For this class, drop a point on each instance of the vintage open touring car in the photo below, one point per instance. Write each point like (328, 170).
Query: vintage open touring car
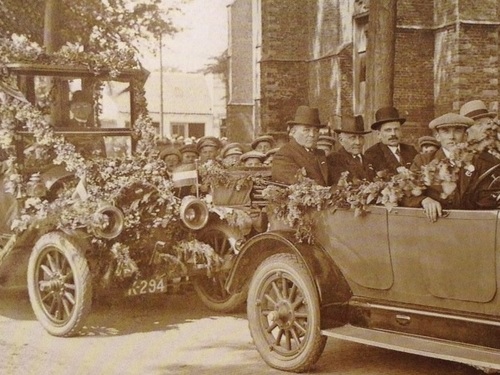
(88, 210)
(388, 278)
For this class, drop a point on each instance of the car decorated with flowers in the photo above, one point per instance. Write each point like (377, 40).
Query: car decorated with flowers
(347, 262)
(88, 207)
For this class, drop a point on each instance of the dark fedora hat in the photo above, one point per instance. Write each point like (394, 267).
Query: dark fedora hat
(352, 125)
(81, 96)
(307, 116)
(386, 114)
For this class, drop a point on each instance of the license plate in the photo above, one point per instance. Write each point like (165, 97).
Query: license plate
(147, 286)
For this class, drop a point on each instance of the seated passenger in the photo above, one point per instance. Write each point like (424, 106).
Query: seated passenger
(230, 154)
(301, 153)
(171, 156)
(486, 185)
(450, 130)
(428, 144)
(350, 157)
(252, 159)
(81, 109)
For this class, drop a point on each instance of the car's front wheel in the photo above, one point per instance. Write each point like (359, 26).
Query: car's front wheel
(284, 315)
(59, 284)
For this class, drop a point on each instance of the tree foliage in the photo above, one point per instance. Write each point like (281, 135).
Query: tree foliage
(95, 24)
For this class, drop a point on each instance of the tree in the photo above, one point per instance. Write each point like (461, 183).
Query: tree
(95, 24)
(220, 65)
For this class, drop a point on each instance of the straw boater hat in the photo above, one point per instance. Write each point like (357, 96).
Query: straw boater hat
(308, 116)
(262, 138)
(451, 120)
(476, 109)
(427, 140)
(386, 114)
(352, 125)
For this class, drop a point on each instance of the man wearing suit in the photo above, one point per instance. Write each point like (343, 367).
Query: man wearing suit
(387, 155)
(350, 157)
(81, 109)
(300, 154)
(450, 130)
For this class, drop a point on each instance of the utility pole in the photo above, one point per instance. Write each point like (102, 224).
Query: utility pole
(381, 51)
(161, 87)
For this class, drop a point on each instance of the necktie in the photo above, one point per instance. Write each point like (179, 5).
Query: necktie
(398, 154)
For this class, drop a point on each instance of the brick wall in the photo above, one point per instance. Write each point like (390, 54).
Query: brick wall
(440, 63)
(285, 50)
(414, 81)
(478, 59)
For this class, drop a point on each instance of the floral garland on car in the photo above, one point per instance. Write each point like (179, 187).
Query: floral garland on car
(293, 204)
(19, 49)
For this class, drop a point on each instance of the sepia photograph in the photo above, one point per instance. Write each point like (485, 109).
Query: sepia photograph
(249, 187)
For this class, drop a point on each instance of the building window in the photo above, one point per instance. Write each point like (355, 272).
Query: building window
(184, 129)
(178, 129)
(360, 43)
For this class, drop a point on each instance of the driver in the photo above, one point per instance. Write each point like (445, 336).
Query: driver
(81, 109)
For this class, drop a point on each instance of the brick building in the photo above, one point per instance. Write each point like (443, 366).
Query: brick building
(284, 53)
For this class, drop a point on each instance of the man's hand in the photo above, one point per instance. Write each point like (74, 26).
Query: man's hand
(432, 209)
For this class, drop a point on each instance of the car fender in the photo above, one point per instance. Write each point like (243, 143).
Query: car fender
(14, 256)
(333, 290)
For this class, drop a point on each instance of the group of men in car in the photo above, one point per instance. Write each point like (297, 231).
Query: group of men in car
(384, 158)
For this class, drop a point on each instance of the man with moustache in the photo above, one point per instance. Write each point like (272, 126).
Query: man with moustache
(300, 154)
(386, 156)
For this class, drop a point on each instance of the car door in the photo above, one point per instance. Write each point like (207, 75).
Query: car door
(451, 259)
(359, 246)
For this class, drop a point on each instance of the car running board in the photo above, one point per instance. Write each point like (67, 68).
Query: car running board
(479, 357)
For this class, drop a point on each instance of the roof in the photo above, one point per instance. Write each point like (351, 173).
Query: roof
(185, 93)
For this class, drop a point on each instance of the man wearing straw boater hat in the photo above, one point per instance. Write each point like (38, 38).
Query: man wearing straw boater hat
(350, 157)
(300, 155)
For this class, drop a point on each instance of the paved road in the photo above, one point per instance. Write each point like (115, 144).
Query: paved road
(173, 335)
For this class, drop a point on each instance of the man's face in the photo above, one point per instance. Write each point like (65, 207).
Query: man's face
(189, 157)
(450, 136)
(171, 161)
(428, 149)
(353, 143)
(390, 133)
(81, 110)
(253, 162)
(263, 147)
(208, 153)
(306, 136)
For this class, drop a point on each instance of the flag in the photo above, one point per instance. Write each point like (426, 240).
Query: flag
(81, 190)
(185, 175)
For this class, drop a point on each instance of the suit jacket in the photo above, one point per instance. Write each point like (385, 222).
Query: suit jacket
(291, 157)
(457, 200)
(379, 157)
(343, 161)
(483, 189)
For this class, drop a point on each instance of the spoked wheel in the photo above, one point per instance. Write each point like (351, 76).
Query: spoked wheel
(283, 314)
(211, 290)
(59, 284)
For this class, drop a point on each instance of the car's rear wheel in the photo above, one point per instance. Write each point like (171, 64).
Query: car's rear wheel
(211, 289)
(59, 284)
(284, 315)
